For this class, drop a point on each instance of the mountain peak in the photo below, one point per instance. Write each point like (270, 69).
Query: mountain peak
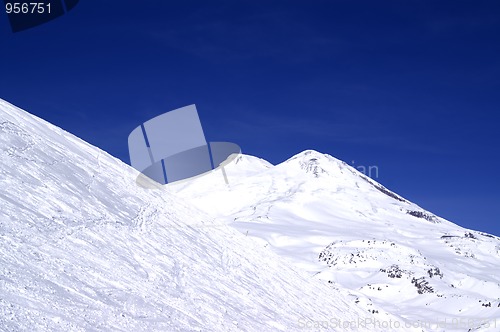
(308, 154)
(314, 162)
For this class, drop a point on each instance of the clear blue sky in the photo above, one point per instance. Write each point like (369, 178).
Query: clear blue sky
(412, 87)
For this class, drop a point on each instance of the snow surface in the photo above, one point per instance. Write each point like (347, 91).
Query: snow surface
(84, 248)
(325, 217)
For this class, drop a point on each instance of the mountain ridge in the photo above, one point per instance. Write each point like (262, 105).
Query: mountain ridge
(324, 216)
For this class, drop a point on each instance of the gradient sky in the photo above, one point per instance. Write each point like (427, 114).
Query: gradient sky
(412, 87)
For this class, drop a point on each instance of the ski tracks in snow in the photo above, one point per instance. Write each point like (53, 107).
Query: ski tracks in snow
(145, 217)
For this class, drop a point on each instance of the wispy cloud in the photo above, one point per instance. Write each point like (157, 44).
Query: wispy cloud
(218, 36)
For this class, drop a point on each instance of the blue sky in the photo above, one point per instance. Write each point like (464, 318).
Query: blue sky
(412, 87)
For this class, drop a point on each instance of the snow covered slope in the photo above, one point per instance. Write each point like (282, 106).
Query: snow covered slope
(340, 226)
(82, 247)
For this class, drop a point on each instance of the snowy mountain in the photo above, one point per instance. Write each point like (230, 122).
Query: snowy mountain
(84, 248)
(309, 244)
(323, 216)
